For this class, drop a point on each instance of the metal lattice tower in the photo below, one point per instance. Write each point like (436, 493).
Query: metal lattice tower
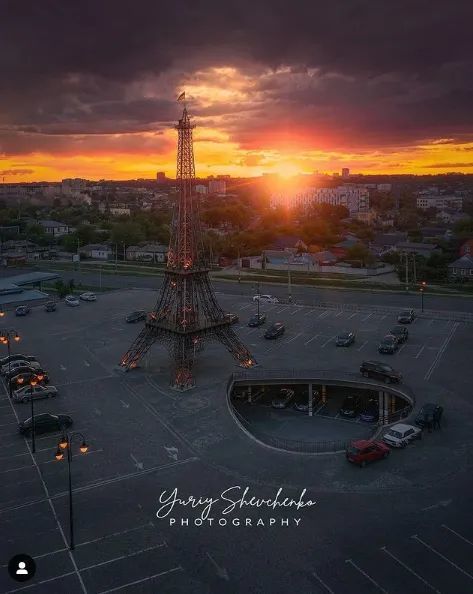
(187, 313)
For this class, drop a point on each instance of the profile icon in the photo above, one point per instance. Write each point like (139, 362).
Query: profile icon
(21, 567)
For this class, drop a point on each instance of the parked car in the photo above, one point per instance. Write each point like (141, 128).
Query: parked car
(400, 332)
(22, 310)
(266, 299)
(370, 412)
(50, 306)
(24, 394)
(13, 365)
(45, 423)
(88, 296)
(303, 405)
(406, 316)
(381, 371)
(427, 414)
(363, 451)
(351, 406)
(257, 320)
(26, 367)
(287, 394)
(136, 316)
(17, 357)
(72, 301)
(345, 339)
(389, 345)
(275, 330)
(23, 377)
(232, 318)
(400, 435)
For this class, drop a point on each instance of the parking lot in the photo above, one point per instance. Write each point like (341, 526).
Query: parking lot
(144, 438)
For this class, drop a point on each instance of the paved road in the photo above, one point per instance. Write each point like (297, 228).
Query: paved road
(306, 294)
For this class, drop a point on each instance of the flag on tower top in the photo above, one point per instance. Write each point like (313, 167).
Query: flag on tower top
(182, 96)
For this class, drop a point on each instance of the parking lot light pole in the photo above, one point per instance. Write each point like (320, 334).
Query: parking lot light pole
(66, 444)
(33, 383)
(6, 337)
(422, 289)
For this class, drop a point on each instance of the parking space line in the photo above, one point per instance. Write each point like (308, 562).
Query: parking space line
(324, 314)
(441, 351)
(420, 351)
(178, 568)
(353, 315)
(86, 363)
(322, 583)
(57, 577)
(460, 569)
(340, 313)
(113, 534)
(133, 554)
(294, 338)
(313, 338)
(327, 341)
(282, 309)
(309, 312)
(406, 567)
(17, 468)
(295, 311)
(368, 577)
(401, 347)
(456, 534)
(366, 317)
(363, 345)
(246, 306)
(384, 317)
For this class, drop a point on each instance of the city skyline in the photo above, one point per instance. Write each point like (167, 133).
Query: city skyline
(272, 90)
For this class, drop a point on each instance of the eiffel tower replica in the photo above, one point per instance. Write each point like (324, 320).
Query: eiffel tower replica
(187, 313)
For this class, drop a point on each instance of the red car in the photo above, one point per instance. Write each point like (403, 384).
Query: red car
(362, 451)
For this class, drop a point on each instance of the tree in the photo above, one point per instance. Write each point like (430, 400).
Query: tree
(127, 232)
(360, 253)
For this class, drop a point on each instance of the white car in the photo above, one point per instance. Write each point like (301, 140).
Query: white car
(88, 296)
(266, 298)
(400, 435)
(19, 363)
(72, 300)
(24, 394)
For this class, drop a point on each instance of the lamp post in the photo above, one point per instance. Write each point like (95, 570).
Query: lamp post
(422, 287)
(33, 382)
(6, 336)
(289, 286)
(65, 445)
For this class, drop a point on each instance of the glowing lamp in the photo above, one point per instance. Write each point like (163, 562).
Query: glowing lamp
(84, 447)
(17, 337)
(2, 313)
(63, 443)
(59, 455)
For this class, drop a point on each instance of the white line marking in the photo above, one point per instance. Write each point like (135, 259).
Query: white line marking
(246, 306)
(322, 583)
(313, 338)
(456, 534)
(352, 315)
(340, 313)
(283, 309)
(125, 404)
(221, 571)
(401, 347)
(424, 581)
(324, 314)
(295, 311)
(57, 577)
(415, 537)
(442, 349)
(327, 341)
(178, 568)
(366, 317)
(308, 313)
(384, 317)
(294, 338)
(368, 577)
(63, 368)
(158, 546)
(420, 351)
(363, 345)
(86, 363)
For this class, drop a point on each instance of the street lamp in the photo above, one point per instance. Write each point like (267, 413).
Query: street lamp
(33, 383)
(65, 445)
(6, 336)
(422, 288)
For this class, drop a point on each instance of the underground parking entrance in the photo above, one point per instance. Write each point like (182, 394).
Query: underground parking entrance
(314, 411)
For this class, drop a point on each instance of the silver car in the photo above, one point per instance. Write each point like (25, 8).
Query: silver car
(24, 394)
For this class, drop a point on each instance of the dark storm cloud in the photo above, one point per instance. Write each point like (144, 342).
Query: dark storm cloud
(386, 72)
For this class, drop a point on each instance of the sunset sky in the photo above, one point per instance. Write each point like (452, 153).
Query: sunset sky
(88, 89)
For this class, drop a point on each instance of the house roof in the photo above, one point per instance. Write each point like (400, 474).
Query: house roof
(412, 245)
(465, 261)
(389, 238)
(149, 247)
(324, 256)
(347, 243)
(51, 223)
(95, 246)
(286, 241)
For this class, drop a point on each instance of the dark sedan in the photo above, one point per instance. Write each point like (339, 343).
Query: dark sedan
(370, 412)
(45, 423)
(400, 332)
(50, 306)
(345, 339)
(389, 345)
(350, 407)
(232, 318)
(275, 331)
(136, 316)
(406, 316)
(22, 310)
(26, 368)
(257, 320)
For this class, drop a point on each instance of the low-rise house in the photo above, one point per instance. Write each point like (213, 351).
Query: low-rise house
(54, 228)
(23, 251)
(150, 252)
(422, 249)
(96, 251)
(324, 258)
(385, 242)
(466, 247)
(461, 268)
